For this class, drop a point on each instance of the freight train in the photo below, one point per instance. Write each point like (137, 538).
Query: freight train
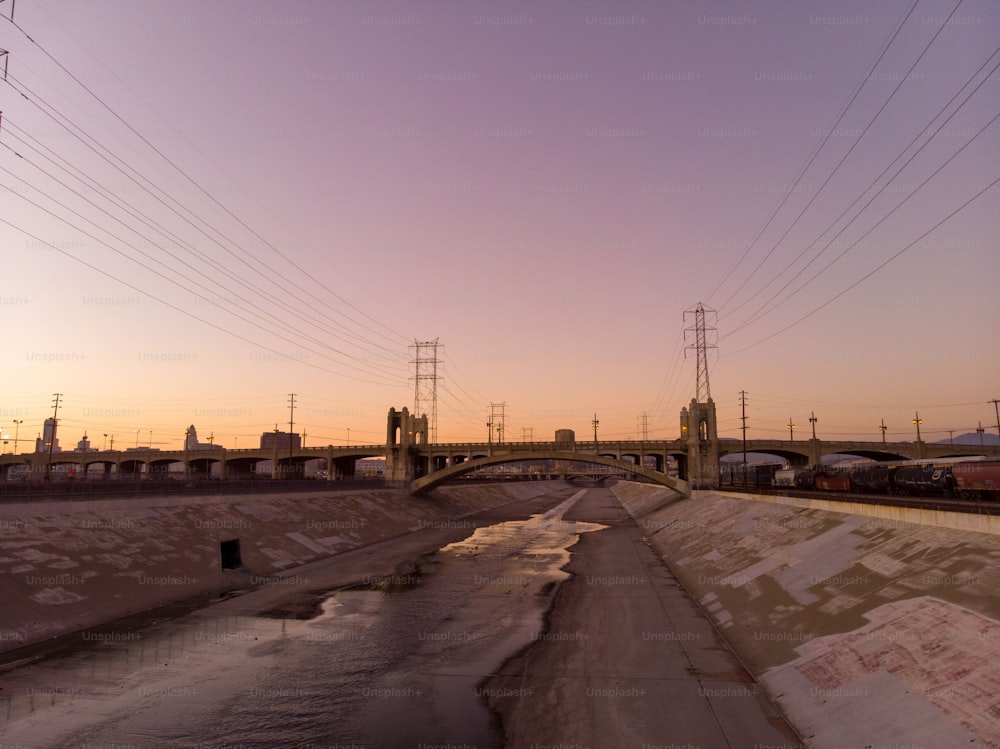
(972, 478)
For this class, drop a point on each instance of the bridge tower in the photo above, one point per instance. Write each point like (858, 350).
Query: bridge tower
(699, 431)
(698, 422)
(404, 433)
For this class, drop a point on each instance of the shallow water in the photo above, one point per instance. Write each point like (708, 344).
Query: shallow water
(395, 662)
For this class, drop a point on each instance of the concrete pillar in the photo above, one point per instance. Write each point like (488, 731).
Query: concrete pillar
(815, 452)
(699, 431)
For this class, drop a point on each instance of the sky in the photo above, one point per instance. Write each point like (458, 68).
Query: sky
(207, 207)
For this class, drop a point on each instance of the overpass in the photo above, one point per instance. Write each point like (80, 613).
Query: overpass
(410, 457)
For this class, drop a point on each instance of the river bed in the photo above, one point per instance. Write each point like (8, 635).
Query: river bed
(396, 660)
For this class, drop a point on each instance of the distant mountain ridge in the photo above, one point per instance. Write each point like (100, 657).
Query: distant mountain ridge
(971, 438)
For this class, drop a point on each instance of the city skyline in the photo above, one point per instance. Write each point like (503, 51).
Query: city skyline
(303, 195)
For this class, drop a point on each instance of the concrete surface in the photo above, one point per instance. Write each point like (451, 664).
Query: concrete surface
(65, 566)
(627, 659)
(867, 631)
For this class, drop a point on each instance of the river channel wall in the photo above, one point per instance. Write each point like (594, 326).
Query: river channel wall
(870, 626)
(66, 566)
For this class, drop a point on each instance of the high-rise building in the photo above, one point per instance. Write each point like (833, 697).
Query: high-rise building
(281, 440)
(48, 436)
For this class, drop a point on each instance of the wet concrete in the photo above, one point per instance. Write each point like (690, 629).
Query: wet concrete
(378, 647)
(627, 658)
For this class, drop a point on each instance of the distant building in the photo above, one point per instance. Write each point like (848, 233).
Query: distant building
(191, 440)
(48, 436)
(281, 440)
(83, 444)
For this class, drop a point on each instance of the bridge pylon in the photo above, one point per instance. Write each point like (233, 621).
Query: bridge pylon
(699, 429)
(404, 433)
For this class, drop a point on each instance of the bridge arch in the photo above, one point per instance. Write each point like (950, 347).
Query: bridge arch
(426, 483)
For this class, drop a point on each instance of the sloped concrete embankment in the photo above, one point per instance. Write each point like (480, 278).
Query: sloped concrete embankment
(867, 631)
(65, 566)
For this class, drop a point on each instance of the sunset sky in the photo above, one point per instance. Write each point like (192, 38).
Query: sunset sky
(205, 207)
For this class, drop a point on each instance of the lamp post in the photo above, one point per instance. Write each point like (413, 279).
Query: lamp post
(489, 438)
(883, 427)
(348, 436)
(813, 420)
(596, 424)
(105, 445)
(980, 431)
(791, 430)
(17, 425)
(137, 438)
(918, 421)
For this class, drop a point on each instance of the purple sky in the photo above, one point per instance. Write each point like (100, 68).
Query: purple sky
(544, 189)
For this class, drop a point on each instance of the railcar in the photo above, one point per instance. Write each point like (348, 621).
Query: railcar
(979, 479)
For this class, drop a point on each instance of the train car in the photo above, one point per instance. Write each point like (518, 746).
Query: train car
(786, 476)
(977, 478)
(871, 478)
(805, 479)
(833, 483)
(923, 478)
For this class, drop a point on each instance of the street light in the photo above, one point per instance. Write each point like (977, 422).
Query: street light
(489, 427)
(791, 428)
(137, 438)
(813, 420)
(596, 423)
(105, 445)
(883, 428)
(17, 425)
(918, 421)
(980, 431)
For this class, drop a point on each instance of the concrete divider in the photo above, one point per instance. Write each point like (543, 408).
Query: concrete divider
(65, 566)
(868, 627)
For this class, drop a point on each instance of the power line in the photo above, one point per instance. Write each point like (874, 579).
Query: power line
(870, 273)
(842, 160)
(829, 133)
(199, 187)
(761, 311)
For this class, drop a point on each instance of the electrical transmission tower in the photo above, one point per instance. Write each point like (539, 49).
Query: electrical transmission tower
(425, 380)
(642, 426)
(701, 332)
(498, 413)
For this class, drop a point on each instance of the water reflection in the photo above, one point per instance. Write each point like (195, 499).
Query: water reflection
(396, 660)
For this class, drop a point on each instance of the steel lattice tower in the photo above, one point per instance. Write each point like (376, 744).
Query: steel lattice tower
(425, 379)
(701, 331)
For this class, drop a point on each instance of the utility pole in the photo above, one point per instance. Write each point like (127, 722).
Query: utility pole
(743, 418)
(996, 401)
(291, 429)
(883, 428)
(425, 370)
(951, 437)
(52, 436)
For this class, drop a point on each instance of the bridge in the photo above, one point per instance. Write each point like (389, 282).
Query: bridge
(411, 460)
